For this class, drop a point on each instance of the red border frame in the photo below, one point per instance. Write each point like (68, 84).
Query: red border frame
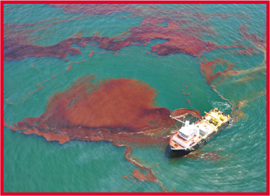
(136, 2)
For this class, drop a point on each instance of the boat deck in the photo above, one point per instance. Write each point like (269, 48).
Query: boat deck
(211, 123)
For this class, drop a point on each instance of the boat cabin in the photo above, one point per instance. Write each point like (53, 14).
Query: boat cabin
(187, 132)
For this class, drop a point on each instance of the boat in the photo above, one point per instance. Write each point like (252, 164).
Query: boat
(190, 137)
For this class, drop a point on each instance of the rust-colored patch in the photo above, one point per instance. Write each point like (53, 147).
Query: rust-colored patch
(189, 102)
(69, 67)
(248, 52)
(207, 69)
(139, 175)
(97, 138)
(91, 53)
(106, 110)
(178, 37)
(6, 125)
(62, 138)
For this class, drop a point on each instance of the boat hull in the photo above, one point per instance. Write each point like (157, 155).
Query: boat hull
(182, 152)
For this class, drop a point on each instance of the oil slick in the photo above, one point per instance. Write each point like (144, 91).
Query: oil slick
(178, 37)
(121, 110)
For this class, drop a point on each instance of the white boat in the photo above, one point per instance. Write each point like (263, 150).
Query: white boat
(190, 137)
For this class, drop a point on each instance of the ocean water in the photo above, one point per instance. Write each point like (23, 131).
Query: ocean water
(33, 164)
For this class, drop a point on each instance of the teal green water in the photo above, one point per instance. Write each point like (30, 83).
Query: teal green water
(33, 164)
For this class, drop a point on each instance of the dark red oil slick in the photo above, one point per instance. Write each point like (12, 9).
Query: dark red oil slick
(117, 110)
(207, 69)
(252, 37)
(109, 110)
(176, 42)
(177, 39)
